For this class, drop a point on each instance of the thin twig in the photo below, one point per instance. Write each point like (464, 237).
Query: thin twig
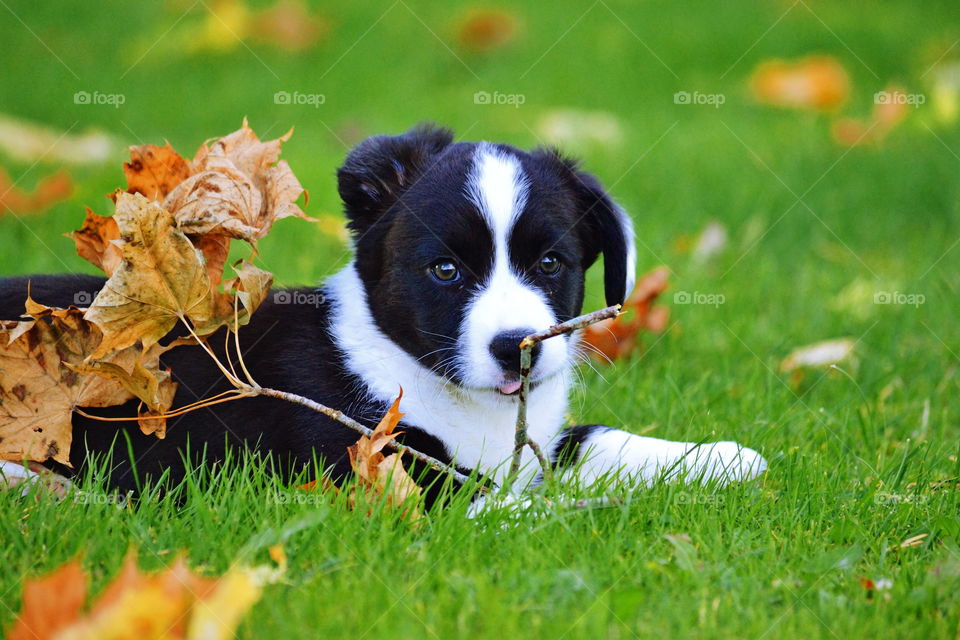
(521, 439)
(571, 325)
(347, 421)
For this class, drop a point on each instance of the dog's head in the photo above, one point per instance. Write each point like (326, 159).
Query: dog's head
(465, 248)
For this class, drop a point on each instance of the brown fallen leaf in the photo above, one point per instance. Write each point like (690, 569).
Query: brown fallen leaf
(161, 280)
(486, 30)
(39, 390)
(51, 603)
(615, 338)
(155, 171)
(385, 475)
(249, 288)
(46, 376)
(239, 189)
(95, 242)
(139, 374)
(174, 604)
(288, 25)
(815, 82)
(50, 190)
(215, 249)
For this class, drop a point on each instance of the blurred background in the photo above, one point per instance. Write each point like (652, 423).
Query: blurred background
(792, 164)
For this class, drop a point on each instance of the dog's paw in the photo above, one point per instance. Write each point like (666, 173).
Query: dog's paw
(726, 462)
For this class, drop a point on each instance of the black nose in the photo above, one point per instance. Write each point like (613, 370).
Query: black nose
(505, 348)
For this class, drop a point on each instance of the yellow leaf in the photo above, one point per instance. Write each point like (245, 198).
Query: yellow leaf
(161, 280)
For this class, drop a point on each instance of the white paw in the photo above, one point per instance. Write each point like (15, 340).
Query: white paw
(725, 462)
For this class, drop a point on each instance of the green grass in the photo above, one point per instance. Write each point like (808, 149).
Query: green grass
(851, 453)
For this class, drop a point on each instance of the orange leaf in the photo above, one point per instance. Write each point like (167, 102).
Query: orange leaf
(615, 338)
(49, 191)
(816, 82)
(95, 242)
(51, 603)
(155, 171)
(485, 30)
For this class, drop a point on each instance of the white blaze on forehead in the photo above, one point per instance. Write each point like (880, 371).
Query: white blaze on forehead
(498, 188)
(504, 301)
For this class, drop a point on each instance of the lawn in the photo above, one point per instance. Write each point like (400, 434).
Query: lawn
(863, 457)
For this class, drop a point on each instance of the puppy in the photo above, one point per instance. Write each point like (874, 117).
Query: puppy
(460, 250)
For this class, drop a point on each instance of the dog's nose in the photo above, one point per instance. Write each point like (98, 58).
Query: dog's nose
(505, 348)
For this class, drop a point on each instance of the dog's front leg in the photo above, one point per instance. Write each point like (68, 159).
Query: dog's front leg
(592, 453)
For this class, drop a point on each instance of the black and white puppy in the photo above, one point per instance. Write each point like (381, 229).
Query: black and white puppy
(460, 250)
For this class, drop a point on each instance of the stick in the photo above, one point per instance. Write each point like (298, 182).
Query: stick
(521, 438)
(347, 421)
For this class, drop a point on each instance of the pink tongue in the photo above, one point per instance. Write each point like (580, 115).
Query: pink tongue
(509, 388)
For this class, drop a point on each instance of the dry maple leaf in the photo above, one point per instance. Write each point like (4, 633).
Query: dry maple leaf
(155, 171)
(95, 242)
(239, 189)
(44, 377)
(39, 390)
(161, 280)
(175, 604)
(615, 338)
(384, 475)
(815, 82)
(215, 249)
(250, 289)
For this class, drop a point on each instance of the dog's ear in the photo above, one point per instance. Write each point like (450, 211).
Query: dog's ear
(604, 227)
(379, 169)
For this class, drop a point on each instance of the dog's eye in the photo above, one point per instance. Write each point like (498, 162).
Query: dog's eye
(549, 264)
(445, 271)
